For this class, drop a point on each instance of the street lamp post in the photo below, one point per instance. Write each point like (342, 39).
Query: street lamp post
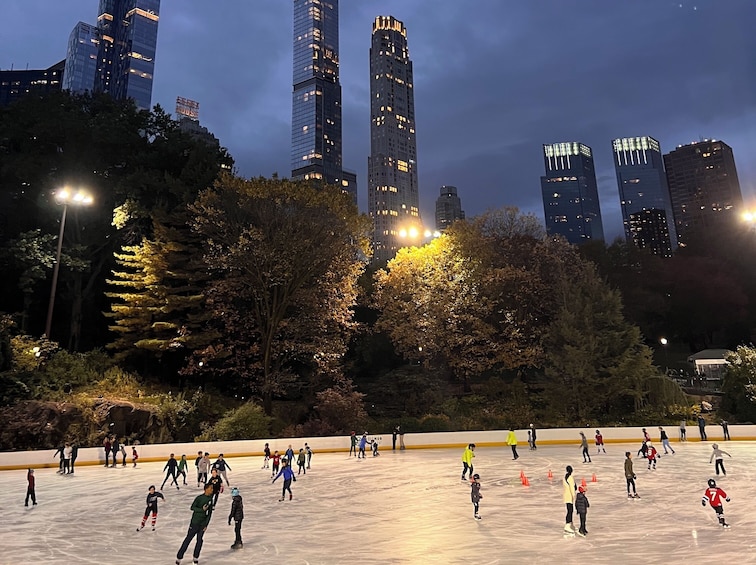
(64, 197)
(664, 343)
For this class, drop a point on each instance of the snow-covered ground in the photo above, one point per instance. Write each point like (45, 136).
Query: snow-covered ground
(401, 507)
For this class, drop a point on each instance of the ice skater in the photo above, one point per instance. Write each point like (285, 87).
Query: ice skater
(171, 467)
(568, 496)
(308, 451)
(717, 457)
(702, 427)
(665, 441)
(475, 495)
(353, 444)
(467, 457)
(106, 447)
(116, 449)
(182, 466)
(202, 511)
(581, 507)
(533, 431)
(363, 443)
(196, 466)
(374, 447)
(30, 488)
(237, 513)
(643, 451)
(266, 459)
(276, 462)
(682, 431)
(60, 451)
(301, 461)
(599, 442)
(530, 440)
(217, 483)
(512, 442)
(630, 475)
(203, 469)
(67, 451)
(288, 476)
(152, 506)
(714, 496)
(221, 464)
(134, 455)
(584, 446)
(651, 455)
(123, 453)
(725, 430)
(289, 455)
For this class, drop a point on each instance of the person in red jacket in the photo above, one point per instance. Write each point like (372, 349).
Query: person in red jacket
(651, 455)
(714, 496)
(30, 489)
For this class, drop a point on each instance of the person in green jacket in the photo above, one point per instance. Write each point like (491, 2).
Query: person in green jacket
(202, 511)
(182, 465)
(512, 442)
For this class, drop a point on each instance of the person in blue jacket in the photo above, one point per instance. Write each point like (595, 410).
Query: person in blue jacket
(288, 475)
(363, 443)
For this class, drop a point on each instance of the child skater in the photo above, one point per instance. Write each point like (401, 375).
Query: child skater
(475, 495)
(530, 440)
(288, 476)
(237, 513)
(714, 496)
(581, 507)
(301, 460)
(276, 461)
(584, 446)
(267, 457)
(719, 463)
(152, 506)
(217, 483)
(651, 455)
(374, 447)
(599, 442)
(30, 488)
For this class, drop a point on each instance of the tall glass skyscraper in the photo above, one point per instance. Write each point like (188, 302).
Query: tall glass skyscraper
(393, 198)
(448, 208)
(703, 185)
(81, 59)
(644, 195)
(316, 103)
(570, 193)
(128, 41)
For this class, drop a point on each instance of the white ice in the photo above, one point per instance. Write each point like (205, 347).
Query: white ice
(401, 507)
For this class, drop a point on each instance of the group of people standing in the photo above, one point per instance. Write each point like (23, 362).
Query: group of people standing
(113, 447)
(68, 453)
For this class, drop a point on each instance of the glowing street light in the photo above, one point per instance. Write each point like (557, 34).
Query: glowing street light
(664, 343)
(64, 197)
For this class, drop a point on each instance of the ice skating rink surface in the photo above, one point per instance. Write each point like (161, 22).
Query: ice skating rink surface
(401, 507)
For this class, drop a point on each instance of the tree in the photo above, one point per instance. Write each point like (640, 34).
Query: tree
(739, 386)
(286, 257)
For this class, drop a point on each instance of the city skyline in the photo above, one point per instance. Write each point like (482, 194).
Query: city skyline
(481, 118)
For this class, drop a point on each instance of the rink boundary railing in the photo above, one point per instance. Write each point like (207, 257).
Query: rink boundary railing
(334, 444)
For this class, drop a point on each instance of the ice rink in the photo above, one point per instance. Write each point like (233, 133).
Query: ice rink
(401, 507)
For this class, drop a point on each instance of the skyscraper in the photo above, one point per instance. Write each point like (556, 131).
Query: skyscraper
(316, 104)
(127, 32)
(570, 193)
(448, 208)
(393, 199)
(16, 84)
(644, 195)
(81, 59)
(703, 185)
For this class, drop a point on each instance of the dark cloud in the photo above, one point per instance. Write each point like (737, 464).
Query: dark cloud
(494, 79)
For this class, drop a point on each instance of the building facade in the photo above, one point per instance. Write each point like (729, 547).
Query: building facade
(703, 186)
(644, 196)
(570, 193)
(448, 208)
(316, 140)
(81, 59)
(127, 31)
(17, 84)
(393, 197)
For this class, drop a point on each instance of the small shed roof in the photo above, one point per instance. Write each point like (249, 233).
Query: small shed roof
(710, 354)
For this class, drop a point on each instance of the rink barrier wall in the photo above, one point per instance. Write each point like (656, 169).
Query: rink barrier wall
(428, 440)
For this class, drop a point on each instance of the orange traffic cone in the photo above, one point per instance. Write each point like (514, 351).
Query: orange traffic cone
(583, 483)
(550, 475)
(594, 479)
(525, 481)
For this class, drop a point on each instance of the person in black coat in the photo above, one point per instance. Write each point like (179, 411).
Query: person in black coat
(581, 507)
(237, 513)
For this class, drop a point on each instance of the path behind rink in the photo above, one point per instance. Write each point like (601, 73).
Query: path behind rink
(401, 507)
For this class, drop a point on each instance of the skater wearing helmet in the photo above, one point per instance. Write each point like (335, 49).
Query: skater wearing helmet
(651, 455)
(581, 507)
(714, 496)
(475, 495)
(237, 513)
(718, 455)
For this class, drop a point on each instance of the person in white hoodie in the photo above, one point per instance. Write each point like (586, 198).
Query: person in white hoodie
(718, 457)
(568, 496)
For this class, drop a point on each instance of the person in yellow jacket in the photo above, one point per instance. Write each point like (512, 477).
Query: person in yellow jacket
(568, 496)
(467, 457)
(512, 442)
